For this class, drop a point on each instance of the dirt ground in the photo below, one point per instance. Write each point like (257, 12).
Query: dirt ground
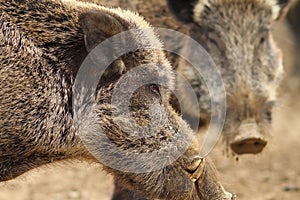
(272, 175)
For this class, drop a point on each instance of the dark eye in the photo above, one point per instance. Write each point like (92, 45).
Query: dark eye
(216, 44)
(268, 116)
(262, 40)
(154, 88)
(263, 37)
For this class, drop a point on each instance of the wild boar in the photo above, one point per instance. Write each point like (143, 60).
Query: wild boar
(43, 46)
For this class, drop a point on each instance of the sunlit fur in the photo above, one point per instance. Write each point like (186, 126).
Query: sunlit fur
(42, 47)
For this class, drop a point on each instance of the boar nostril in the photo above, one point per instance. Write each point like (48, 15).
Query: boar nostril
(257, 143)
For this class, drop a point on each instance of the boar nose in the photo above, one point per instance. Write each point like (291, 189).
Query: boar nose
(192, 163)
(249, 140)
(248, 146)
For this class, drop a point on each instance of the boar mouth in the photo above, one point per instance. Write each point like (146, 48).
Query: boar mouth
(196, 172)
(196, 169)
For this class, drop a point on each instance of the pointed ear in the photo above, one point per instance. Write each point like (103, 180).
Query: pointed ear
(97, 26)
(281, 9)
(183, 9)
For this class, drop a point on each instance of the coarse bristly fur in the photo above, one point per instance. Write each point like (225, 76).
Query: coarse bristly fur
(43, 43)
(237, 35)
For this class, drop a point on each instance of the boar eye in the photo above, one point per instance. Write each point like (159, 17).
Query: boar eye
(154, 88)
(263, 37)
(262, 40)
(216, 40)
(268, 116)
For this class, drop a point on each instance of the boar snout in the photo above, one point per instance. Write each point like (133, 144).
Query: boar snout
(249, 140)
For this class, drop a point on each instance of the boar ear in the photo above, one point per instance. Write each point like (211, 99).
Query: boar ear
(183, 9)
(281, 8)
(97, 26)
